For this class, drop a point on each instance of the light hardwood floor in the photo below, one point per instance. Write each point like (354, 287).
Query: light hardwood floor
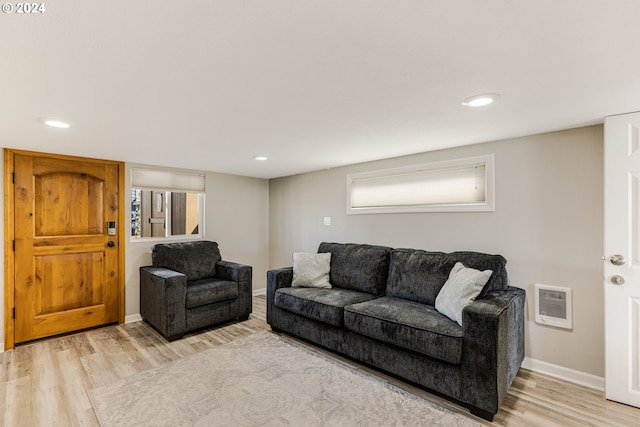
(45, 383)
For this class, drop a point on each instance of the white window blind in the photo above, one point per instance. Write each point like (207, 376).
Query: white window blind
(456, 185)
(166, 180)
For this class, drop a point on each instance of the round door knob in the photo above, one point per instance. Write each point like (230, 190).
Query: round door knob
(111, 243)
(617, 280)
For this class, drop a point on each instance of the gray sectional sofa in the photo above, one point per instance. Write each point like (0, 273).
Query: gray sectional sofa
(380, 311)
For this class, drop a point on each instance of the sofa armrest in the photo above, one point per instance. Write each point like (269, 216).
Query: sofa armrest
(243, 275)
(493, 348)
(276, 279)
(163, 294)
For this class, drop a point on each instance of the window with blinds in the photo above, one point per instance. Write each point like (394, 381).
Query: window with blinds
(462, 185)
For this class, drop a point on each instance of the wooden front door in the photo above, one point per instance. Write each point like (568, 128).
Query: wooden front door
(68, 262)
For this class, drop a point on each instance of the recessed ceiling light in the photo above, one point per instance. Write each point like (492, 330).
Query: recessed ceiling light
(481, 100)
(261, 158)
(56, 123)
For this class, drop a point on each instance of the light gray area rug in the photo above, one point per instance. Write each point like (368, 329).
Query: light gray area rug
(263, 380)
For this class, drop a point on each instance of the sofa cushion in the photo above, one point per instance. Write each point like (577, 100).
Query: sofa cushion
(361, 268)
(325, 305)
(480, 261)
(311, 270)
(408, 324)
(207, 291)
(418, 275)
(461, 288)
(196, 260)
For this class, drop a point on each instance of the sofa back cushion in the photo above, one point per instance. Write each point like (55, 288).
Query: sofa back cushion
(481, 261)
(358, 267)
(418, 275)
(196, 260)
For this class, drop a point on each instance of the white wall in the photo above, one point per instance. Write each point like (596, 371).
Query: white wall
(548, 223)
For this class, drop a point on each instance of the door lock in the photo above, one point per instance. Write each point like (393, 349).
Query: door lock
(111, 243)
(617, 280)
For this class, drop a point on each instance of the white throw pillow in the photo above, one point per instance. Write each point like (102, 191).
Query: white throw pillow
(461, 288)
(311, 270)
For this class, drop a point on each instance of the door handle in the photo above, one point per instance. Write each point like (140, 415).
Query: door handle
(617, 280)
(111, 243)
(616, 259)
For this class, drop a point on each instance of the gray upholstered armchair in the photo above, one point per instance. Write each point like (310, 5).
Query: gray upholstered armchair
(189, 287)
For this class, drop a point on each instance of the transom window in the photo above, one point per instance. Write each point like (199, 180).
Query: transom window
(449, 186)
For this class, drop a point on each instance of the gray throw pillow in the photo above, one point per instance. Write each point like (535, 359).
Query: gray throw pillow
(311, 270)
(461, 288)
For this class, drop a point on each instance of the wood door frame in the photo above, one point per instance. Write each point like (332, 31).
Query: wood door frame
(9, 235)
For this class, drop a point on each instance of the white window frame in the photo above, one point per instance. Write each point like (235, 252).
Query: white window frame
(488, 205)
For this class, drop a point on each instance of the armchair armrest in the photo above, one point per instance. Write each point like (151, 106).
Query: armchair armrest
(493, 348)
(241, 274)
(163, 294)
(276, 279)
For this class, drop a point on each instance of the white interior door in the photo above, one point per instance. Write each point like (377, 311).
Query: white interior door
(622, 258)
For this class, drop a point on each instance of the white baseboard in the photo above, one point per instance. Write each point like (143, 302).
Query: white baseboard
(262, 291)
(565, 374)
(132, 318)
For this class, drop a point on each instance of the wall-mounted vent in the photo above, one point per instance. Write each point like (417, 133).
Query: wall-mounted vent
(554, 306)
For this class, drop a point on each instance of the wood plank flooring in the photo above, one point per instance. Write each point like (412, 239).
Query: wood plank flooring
(45, 383)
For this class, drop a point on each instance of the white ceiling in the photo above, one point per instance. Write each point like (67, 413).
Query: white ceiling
(312, 84)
